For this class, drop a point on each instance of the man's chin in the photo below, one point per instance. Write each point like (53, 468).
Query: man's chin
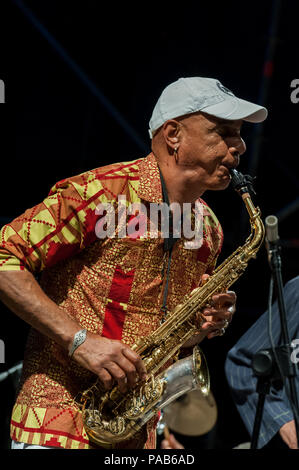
(220, 185)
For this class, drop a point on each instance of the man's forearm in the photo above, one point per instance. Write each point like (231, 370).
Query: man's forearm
(22, 294)
(109, 359)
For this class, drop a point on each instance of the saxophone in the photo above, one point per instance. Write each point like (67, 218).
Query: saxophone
(114, 417)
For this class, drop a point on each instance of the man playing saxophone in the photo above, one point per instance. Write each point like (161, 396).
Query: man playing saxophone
(97, 297)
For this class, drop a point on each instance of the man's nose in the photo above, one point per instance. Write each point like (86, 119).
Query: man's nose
(237, 146)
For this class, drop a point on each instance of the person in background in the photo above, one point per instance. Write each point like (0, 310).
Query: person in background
(278, 426)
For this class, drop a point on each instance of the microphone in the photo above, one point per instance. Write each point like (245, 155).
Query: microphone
(272, 237)
(271, 223)
(11, 371)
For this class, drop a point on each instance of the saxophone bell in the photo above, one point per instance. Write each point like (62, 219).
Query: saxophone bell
(185, 375)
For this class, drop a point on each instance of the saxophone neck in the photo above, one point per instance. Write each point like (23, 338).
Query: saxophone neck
(243, 184)
(257, 226)
(251, 209)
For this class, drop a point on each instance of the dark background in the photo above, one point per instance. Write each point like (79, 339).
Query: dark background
(82, 97)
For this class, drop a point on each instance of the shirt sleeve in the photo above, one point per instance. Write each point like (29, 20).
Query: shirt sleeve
(242, 381)
(60, 226)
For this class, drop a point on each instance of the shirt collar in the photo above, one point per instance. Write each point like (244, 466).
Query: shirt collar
(150, 188)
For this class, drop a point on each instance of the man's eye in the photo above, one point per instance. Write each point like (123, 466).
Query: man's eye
(228, 133)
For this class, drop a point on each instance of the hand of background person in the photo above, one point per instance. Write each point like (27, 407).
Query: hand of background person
(171, 443)
(288, 434)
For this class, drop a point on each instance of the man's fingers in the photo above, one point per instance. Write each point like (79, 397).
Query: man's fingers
(204, 278)
(105, 378)
(213, 334)
(207, 325)
(136, 360)
(130, 370)
(212, 314)
(215, 325)
(222, 306)
(120, 376)
(224, 299)
(123, 372)
(112, 361)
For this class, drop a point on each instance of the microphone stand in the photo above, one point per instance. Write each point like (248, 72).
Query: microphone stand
(275, 364)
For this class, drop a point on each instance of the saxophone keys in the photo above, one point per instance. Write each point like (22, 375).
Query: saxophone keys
(153, 381)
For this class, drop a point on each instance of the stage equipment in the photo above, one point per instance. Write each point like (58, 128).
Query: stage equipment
(273, 366)
(192, 414)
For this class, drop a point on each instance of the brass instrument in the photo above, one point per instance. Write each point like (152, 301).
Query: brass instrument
(113, 417)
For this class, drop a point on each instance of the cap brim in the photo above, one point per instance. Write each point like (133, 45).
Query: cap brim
(236, 109)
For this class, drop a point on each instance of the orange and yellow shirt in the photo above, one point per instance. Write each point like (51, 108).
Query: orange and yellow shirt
(113, 287)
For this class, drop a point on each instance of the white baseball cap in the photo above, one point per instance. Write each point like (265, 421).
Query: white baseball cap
(192, 94)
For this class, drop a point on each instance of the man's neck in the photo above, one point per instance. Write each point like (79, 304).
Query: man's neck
(178, 186)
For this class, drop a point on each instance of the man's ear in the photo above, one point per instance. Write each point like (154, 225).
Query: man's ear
(172, 133)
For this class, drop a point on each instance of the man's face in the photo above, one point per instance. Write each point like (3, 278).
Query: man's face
(208, 148)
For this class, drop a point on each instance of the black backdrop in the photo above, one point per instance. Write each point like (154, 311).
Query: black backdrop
(81, 80)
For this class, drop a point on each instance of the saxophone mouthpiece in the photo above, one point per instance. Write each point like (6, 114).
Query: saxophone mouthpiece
(242, 183)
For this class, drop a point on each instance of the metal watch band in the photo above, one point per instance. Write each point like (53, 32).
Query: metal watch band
(79, 338)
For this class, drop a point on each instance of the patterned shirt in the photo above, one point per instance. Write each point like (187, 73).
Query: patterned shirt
(243, 383)
(111, 286)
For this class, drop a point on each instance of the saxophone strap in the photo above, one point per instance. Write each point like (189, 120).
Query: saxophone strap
(170, 241)
(165, 294)
(168, 246)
